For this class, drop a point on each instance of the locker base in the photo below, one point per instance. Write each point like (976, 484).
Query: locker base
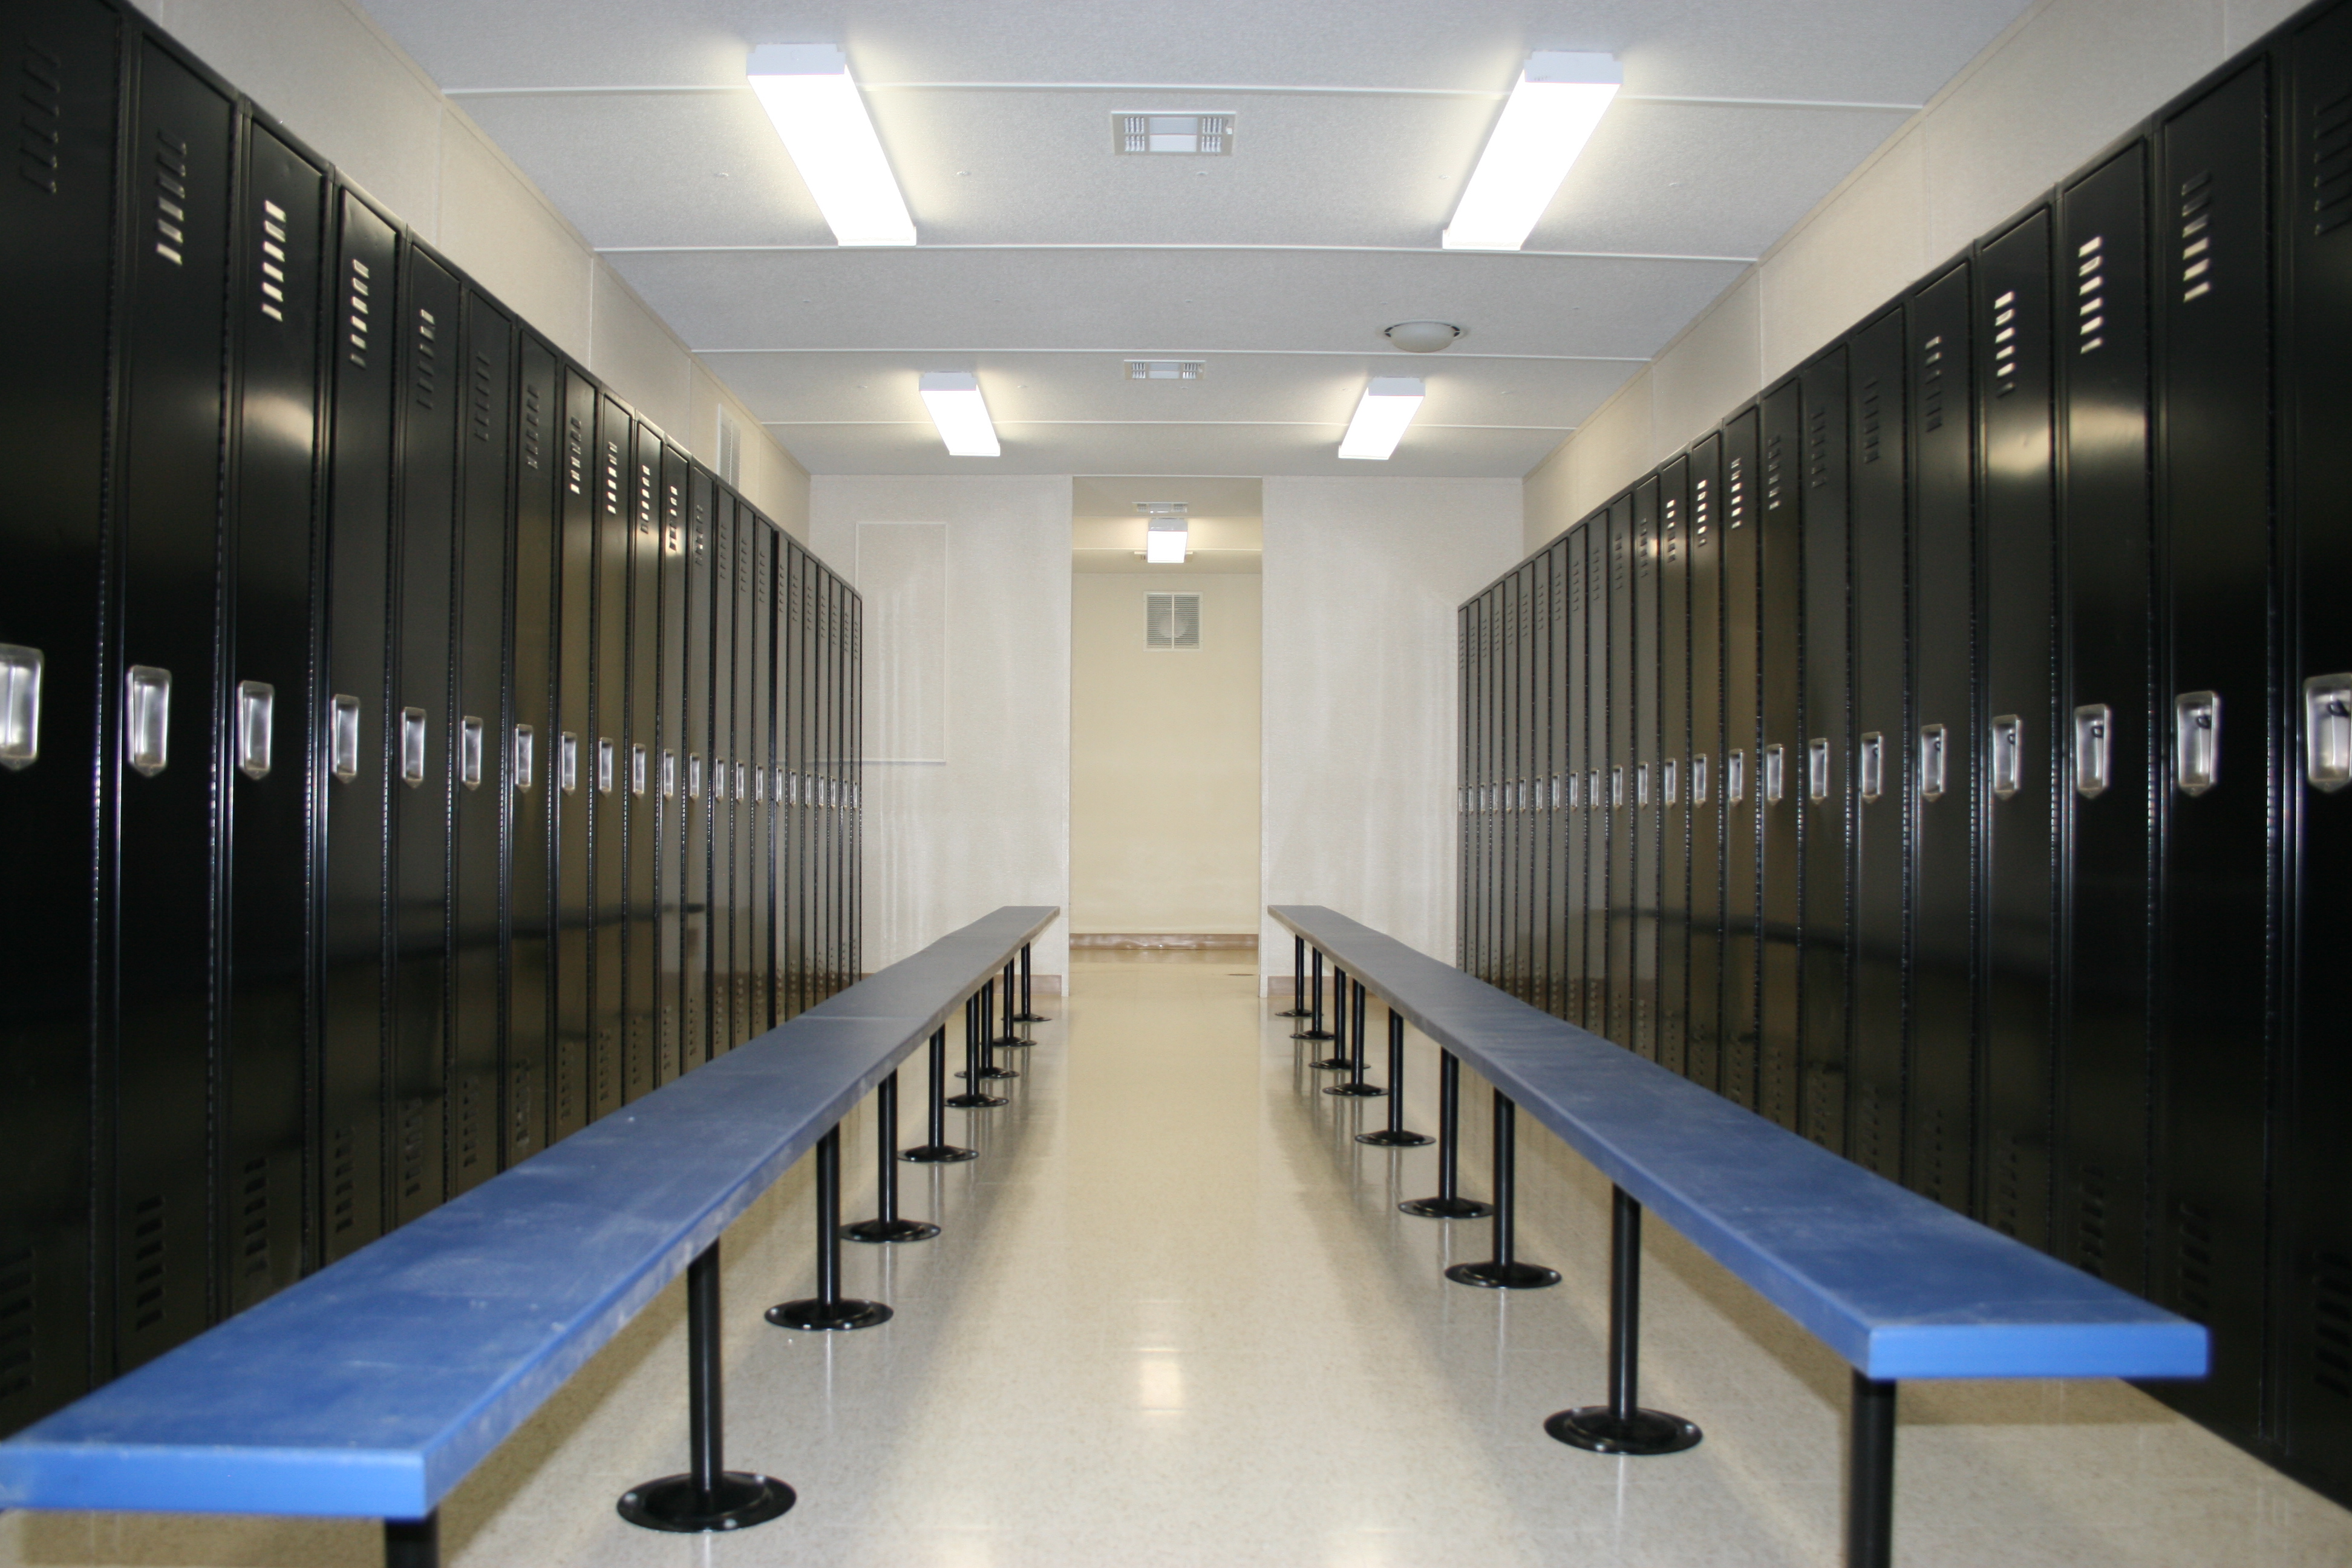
(1388, 1138)
(974, 1101)
(937, 1154)
(1597, 1429)
(1445, 1208)
(1357, 1090)
(817, 1315)
(1500, 1276)
(882, 1230)
(676, 1504)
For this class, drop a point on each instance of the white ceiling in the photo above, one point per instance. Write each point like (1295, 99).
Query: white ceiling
(1044, 259)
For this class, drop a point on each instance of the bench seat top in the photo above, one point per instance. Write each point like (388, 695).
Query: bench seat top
(371, 1388)
(1898, 1285)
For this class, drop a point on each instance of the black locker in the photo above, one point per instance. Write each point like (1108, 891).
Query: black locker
(2016, 655)
(745, 752)
(355, 721)
(1527, 803)
(572, 767)
(1741, 788)
(722, 994)
(168, 442)
(264, 1224)
(1597, 824)
(669, 776)
(1568, 896)
(763, 836)
(1642, 812)
(1517, 646)
(2212, 378)
(478, 840)
(531, 758)
(1780, 783)
(1940, 1119)
(1618, 713)
(1671, 785)
(1477, 683)
(433, 390)
(694, 784)
(1822, 777)
(604, 762)
(1551, 916)
(2107, 794)
(853, 891)
(792, 663)
(2313, 1419)
(1882, 811)
(828, 761)
(640, 760)
(57, 221)
(1703, 786)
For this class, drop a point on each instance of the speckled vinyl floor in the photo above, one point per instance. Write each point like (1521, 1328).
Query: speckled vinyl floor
(1175, 1318)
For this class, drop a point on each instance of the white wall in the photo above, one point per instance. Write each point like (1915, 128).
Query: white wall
(2068, 78)
(1361, 711)
(337, 81)
(987, 824)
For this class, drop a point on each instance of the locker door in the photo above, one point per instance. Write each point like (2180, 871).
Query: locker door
(793, 758)
(2100, 1223)
(1575, 821)
(1704, 786)
(605, 760)
(479, 837)
(168, 477)
(1670, 786)
(1781, 776)
(573, 772)
(1465, 869)
(763, 604)
(854, 919)
(722, 760)
(355, 729)
(1824, 803)
(1475, 722)
(694, 784)
(642, 760)
(669, 774)
(1517, 611)
(2017, 583)
(265, 1027)
(1642, 771)
(530, 973)
(53, 334)
(1742, 789)
(2211, 381)
(2314, 1320)
(426, 734)
(1490, 746)
(1617, 781)
(1884, 809)
(1596, 774)
(1551, 920)
(745, 752)
(1939, 1124)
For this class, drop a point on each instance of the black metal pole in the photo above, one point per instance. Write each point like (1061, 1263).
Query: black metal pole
(887, 1226)
(936, 1149)
(1356, 1087)
(988, 1040)
(828, 1308)
(1621, 1425)
(973, 1097)
(1870, 1475)
(1011, 1036)
(1448, 1203)
(710, 1496)
(1298, 1008)
(1029, 1014)
(1337, 1060)
(1503, 1271)
(1395, 1136)
(1313, 1030)
(412, 1543)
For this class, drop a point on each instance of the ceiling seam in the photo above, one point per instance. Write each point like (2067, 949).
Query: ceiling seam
(620, 89)
(1200, 353)
(1156, 424)
(1164, 244)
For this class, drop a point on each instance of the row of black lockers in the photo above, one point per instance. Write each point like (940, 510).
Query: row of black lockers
(410, 756)
(1946, 756)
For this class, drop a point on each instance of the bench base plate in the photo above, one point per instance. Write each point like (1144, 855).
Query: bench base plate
(1384, 1138)
(1357, 1090)
(880, 1231)
(937, 1154)
(816, 1315)
(1499, 1276)
(1596, 1429)
(1445, 1208)
(676, 1504)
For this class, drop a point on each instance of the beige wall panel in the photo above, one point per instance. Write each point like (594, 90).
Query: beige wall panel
(1163, 758)
(637, 357)
(1864, 249)
(494, 225)
(1716, 366)
(1613, 448)
(1544, 500)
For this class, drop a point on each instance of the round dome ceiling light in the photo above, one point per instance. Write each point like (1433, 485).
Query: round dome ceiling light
(1424, 337)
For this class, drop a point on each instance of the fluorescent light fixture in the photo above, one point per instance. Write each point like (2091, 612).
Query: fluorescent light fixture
(1553, 111)
(807, 91)
(953, 398)
(1165, 540)
(1387, 407)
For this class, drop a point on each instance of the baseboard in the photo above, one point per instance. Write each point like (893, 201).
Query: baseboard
(1149, 942)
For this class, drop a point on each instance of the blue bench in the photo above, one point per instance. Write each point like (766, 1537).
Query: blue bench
(1898, 1286)
(371, 1388)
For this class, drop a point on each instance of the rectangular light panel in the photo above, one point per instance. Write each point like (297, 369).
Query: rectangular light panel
(1165, 541)
(953, 398)
(1384, 411)
(1553, 111)
(808, 92)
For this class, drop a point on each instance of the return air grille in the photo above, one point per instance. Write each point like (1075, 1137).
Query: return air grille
(1181, 133)
(1171, 620)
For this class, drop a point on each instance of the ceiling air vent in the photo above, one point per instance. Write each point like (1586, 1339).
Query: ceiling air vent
(1193, 134)
(1163, 370)
(1171, 620)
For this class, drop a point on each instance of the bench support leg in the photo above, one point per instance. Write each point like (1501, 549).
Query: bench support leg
(1011, 1036)
(1503, 1271)
(1028, 1014)
(1621, 1425)
(1395, 1136)
(888, 1226)
(412, 1543)
(1313, 1029)
(1448, 1203)
(1870, 1475)
(1337, 1060)
(1356, 1087)
(710, 1496)
(936, 1149)
(1298, 1008)
(828, 1308)
(986, 997)
(973, 1098)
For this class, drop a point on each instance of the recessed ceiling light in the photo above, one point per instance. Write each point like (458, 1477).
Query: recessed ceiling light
(1194, 133)
(808, 92)
(1384, 411)
(953, 398)
(1163, 370)
(1165, 541)
(1422, 337)
(1551, 113)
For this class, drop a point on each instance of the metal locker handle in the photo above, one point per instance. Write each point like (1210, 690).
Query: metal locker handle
(2196, 742)
(759, 784)
(2327, 731)
(740, 794)
(253, 701)
(412, 746)
(1593, 790)
(471, 757)
(343, 737)
(1817, 770)
(20, 706)
(604, 764)
(1931, 761)
(1555, 792)
(2095, 727)
(1616, 787)
(668, 774)
(567, 762)
(1735, 778)
(1873, 766)
(694, 777)
(1668, 783)
(525, 742)
(636, 769)
(1698, 779)
(1775, 782)
(2008, 755)
(1640, 784)
(147, 718)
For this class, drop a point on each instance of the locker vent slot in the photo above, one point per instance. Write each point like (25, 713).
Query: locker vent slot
(1701, 511)
(1736, 493)
(575, 456)
(18, 1371)
(646, 496)
(2194, 1244)
(412, 1148)
(2004, 343)
(612, 478)
(147, 1263)
(1817, 449)
(2008, 1189)
(2331, 164)
(533, 434)
(2331, 1327)
(2196, 244)
(1871, 422)
(672, 527)
(1772, 475)
(481, 410)
(1931, 384)
(170, 193)
(342, 1169)
(253, 1245)
(428, 367)
(273, 260)
(2091, 1222)
(2090, 293)
(41, 91)
(519, 1097)
(357, 338)
(470, 1122)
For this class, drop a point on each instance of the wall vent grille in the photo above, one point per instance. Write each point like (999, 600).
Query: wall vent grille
(1171, 621)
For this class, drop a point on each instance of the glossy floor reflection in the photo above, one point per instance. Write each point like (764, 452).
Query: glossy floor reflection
(1175, 1318)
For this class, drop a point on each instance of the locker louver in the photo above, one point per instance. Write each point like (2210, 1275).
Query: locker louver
(428, 366)
(2196, 242)
(2331, 1328)
(2331, 163)
(273, 260)
(2004, 342)
(1931, 383)
(39, 116)
(356, 337)
(171, 196)
(2090, 294)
